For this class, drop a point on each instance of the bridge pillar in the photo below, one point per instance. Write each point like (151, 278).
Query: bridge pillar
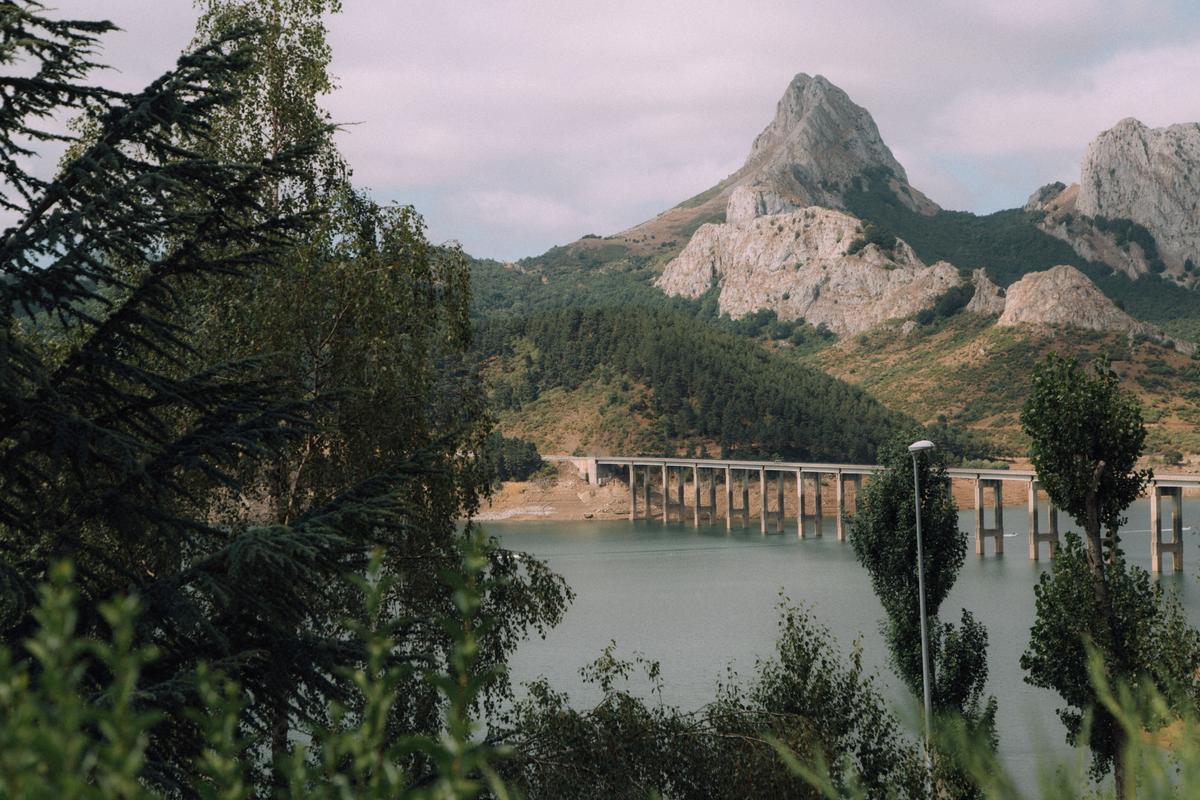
(817, 515)
(633, 493)
(712, 497)
(1036, 536)
(745, 499)
(680, 503)
(666, 509)
(696, 495)
(646, 490)
(800, 504)
(779, 499)
(762, 498)
(1157, 546)
(981, 531)
(841, 506)
(728, 499)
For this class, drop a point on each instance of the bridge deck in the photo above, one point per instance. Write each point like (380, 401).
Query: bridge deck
(1162, 487)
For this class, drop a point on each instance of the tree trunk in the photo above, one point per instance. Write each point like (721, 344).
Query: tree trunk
(1115, 662)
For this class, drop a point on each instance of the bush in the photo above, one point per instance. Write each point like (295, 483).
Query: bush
(514, 459)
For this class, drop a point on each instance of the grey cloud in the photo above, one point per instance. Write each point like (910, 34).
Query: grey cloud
(518, 125)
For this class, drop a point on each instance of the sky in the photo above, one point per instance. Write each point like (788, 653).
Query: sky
(515, 125)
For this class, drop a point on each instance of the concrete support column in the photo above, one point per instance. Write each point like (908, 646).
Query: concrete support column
(981, 530)
(762, 498)
(680, 481)
(712, 497)
(1036, 536)
(1158, 547)
(779, 498)
(646, 490)
(666, 509)
(632, 493)
(841, 507)
(818, 517)
(728, 499)
(745, 499)
(800, 504)
(696, 495)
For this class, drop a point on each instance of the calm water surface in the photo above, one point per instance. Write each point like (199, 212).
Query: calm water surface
(699, 600)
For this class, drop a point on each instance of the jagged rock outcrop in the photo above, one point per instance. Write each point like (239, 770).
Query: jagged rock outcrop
(1043, 197)
(748, 202)
(1063, 295)
(819, 145)
(1055, 207)
(988, 298)
(1148, 175)
(796, 263)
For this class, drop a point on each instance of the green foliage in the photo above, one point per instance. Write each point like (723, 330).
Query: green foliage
(884, 537)
(1085, 439)
(138, 450)
(948, 304)
(64, 736)
(809, 699)
(1126, 232)
(704, 382)
(514, 459)
(1155, 646)
(873, 233)
(1162, 750)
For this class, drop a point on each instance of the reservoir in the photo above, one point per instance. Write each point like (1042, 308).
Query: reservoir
(698, 600)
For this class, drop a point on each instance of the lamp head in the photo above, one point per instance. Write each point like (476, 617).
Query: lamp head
(917, 447)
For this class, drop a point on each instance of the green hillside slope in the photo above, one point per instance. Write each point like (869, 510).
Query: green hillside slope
(686, 381)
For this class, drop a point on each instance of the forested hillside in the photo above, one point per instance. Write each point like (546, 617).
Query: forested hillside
(702, 383)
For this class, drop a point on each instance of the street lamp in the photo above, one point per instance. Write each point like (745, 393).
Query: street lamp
(913, 449)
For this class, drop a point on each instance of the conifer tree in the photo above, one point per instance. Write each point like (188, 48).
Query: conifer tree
(132, 448)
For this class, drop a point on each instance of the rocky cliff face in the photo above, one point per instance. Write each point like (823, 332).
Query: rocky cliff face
(1057, 210)
(1148, 175)
(818, 145)
(796, 263)
(1063, 295)
(988, 298)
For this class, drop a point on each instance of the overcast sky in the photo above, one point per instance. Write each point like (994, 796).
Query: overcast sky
(514, 126)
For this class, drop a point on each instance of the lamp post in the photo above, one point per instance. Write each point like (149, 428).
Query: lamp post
(914, 449)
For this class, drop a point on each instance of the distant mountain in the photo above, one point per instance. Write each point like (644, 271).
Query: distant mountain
(1137, 203)
(820, 250)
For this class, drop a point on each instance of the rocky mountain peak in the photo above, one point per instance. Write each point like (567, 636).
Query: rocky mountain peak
(818, 145)
(1150, 176)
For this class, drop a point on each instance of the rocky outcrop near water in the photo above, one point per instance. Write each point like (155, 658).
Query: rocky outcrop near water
(1150, 176)
(813, 264)
(1063, 295)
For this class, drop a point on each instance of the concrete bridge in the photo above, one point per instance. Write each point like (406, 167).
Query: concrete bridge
(805, 481)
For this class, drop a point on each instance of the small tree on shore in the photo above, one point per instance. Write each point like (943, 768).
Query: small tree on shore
(1085, 439)
(884, 538)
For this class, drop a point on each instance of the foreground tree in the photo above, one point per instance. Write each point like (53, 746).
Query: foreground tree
(129, 448)
(809, 703)
(1085, 439)
(368, 321)
(883, 534)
